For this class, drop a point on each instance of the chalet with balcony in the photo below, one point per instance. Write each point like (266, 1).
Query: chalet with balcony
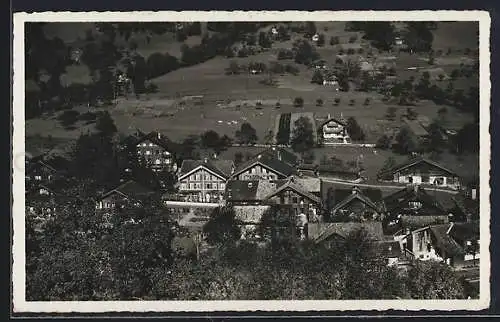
(333, 130)
(272, 164)
(154, 150)
(355, 205)
(457, 244)
(415, 207)
(204, 180)
(127, 195)
(422, 171)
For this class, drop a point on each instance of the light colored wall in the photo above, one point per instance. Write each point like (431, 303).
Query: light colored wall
(257, 171)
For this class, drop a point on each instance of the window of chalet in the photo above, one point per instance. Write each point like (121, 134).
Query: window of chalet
(414, 204)
(38, 177)
(439, 181)
(295, 199)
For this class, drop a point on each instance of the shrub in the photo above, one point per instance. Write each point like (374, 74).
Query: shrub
(351, 51)
(353, 39)
(68, 117)
(367, 101)
(285, 54)
(352, 101)
(337, 100)
(361, 51)
(334, 41)
(319, 102)
(298, 102)
(87, 116)
(277, 105)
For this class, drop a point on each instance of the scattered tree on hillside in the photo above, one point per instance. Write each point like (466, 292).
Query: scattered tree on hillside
(435, 141)
(246, 134)
(298, 102)
(310, 29)
(210, 139)
(380, 34)
(336, 101)
(321, 40)
(406, 141)
(467, 139)
(302, 136)
(354, 130)
(418, 36)
(317, 77)
(305, 54)
(238, 158)
(319, 102)
(105, 124)
(334, 40)
(234, 68)
(384, 142)
(159, 64)
(264, 40)
(411, 114)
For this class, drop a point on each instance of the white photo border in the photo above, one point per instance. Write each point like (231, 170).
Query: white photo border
(20, 305)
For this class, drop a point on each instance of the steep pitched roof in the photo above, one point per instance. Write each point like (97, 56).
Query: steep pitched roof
(270, 162)
(248, 190)
(344, 229)
(221, 168)
(340, 194)
(464, 230)
(358, 195)
(341, 122)
(292, 184)
(413, 162)
(411, 193)
(445, 241)
(158, 139)
(130, 189)
(416, 127)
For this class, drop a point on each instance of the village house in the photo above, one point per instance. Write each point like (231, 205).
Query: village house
(334, 131)
(272, 164)
(422, 171)
(248, 192)
(303, 195)
(457, 244)
(391, 251)
(129, 194)
(204, 180)
(44, 170)
(41, 201)
(331, 233)
(414, 207)
(355, 205)
(416, 127)
(154, 150)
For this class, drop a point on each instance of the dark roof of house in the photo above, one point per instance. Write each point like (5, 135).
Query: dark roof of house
(372, 194)
(356, 194)
(466, 205)
(248, 190)
(222, 168)
(411, 193)
(131, 189)
(465, 230)
(388, 248)
(445, 241)
(279, 152)
(296, 186)
(416, 127)
(344, 229)
(158, 139)
(269, 161)
(413, 162)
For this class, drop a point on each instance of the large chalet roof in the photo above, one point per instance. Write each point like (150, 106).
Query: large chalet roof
(248, 190)
(344, 229)
(356, 194)
(464, 230)
(130, 189)
(445, 241)
(298, 187)
(415, 162)
(411, 193)
(336, 120)
(270, 161)
(158, 139)
(222, 168)
(341, 194)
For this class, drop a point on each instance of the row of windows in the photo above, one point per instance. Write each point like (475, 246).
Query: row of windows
(198, 186)
(154, 152)
(205, 177)
(254, 170)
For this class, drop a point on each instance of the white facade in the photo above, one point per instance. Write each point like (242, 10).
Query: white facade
(439, 181)
(336, 132)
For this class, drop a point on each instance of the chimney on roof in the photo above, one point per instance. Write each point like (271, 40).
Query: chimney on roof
(205, 160)
(354, 190)
(259, 156)
(329, 116)
(158, 134)
(279, 155)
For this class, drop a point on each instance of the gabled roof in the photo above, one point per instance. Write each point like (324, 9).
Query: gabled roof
(158, 139)
(356, 195)
(344, 229)
(340, 194)
(411, 193)
(281, 153)
(416, 161)
(416, 127)
(130, 189)
(291, 184)
(445, 241)
(221, 168)
(464, 230)
(269, 162)
(334, 120)
(248, 190)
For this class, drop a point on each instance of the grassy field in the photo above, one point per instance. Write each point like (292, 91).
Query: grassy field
(163, 111)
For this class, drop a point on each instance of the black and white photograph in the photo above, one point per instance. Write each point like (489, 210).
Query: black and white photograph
(251, 161)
